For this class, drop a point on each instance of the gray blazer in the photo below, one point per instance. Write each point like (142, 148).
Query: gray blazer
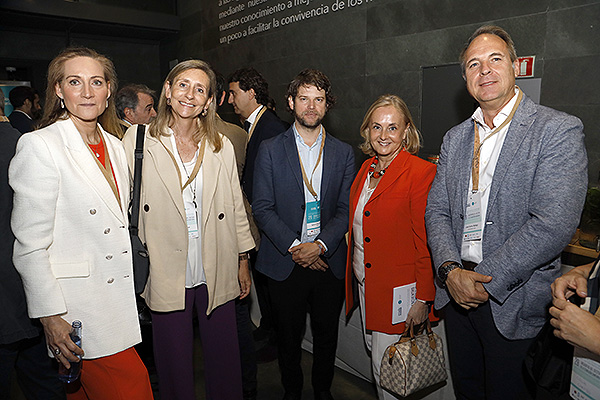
(535, 203)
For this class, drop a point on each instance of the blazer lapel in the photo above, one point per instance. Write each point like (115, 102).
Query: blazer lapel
(515, 136)
(329, 159)
(393, 172)
(211, 167)
(163, 158)
(291, 153)
(83, 160)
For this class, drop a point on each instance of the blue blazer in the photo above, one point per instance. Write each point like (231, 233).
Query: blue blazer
(278, 204)
(535, 203)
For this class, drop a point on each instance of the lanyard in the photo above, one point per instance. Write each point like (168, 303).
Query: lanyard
(477, 145)
(260, 113)
(106, 170)
(308, 183)
(196, 166)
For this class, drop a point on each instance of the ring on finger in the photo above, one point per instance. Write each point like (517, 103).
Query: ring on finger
(56, 351)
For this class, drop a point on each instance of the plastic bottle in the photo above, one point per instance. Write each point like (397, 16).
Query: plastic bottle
(72, 374)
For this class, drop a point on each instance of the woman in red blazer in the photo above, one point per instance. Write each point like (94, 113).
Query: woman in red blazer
(387, 229)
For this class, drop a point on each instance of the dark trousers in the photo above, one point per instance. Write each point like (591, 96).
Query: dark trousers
(264, 300)
(37, 373)
(484, 364)
(320, 294)
(173, 335)
(247, 350)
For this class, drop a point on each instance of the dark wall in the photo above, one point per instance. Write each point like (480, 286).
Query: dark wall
(381, 46)
(135, 60)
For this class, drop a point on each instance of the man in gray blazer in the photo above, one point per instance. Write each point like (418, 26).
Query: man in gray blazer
(505, 201)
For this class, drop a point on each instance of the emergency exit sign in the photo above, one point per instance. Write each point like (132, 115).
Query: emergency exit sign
(526, 68)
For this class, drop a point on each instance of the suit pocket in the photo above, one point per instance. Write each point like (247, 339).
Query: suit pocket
(71, 270)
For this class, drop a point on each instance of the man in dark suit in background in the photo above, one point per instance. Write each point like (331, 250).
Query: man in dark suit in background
(249, 95)
(24, 101)
(22, 344)
(302, 184)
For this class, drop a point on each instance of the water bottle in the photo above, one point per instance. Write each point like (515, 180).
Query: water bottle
(72, 374)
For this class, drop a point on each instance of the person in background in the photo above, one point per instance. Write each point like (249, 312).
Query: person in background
(249, 96)
(23, 100)
(193, 222)
(135, 105)
(572, 323)
(22, 344)
(387, 218)
(505, 201)
(69, 218)
(239, 139)
(302, 182)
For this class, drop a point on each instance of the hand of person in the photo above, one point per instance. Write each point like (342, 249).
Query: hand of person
(575, 325)
(573, 282)
(417, 313)
(245, 278)
(305, 254)
(57, 332)
(466, 287)
(319, 265)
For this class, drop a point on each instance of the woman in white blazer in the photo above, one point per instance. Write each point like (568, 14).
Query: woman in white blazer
(193, 222)
(72, 245)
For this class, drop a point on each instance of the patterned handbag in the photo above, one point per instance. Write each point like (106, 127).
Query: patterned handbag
(413, 363)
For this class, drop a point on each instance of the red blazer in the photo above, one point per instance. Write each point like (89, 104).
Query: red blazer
(396, 251)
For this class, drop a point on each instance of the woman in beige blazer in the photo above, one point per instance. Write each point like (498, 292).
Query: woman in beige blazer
(72, 245)
(193, 222)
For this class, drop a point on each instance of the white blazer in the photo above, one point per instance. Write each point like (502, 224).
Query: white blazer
(72, 245)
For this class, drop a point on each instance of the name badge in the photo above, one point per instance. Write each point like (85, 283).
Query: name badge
(473, 228)
(313, 218)
(192, 221)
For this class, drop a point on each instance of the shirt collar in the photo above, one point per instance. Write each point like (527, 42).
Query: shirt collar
(252, 116)
(300, 140)
(502, 115)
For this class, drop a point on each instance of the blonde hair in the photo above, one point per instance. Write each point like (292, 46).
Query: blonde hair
(206, 125)
(53, 110)
(412, 140)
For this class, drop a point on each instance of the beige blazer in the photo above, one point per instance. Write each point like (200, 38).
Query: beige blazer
(72, 245)
(225, 230)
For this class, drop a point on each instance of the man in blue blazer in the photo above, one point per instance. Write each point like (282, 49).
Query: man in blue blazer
(302, 184)
(506, 199)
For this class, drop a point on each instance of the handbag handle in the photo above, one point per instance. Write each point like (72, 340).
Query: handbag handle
(137, 180)
(414, 349)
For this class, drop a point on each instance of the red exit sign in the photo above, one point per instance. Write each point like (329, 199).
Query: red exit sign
(526, 68)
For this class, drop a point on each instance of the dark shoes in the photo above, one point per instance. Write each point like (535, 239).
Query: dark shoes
(292, 396)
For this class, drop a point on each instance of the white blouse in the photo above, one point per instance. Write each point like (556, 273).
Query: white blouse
(358, 258)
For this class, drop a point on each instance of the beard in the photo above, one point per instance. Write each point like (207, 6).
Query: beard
(302, 121)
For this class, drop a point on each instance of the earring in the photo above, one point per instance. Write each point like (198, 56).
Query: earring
(168, 101)
(204, 112)
(107, 103)
(62, 104)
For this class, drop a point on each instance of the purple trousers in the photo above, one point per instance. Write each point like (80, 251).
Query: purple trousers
(173, 338)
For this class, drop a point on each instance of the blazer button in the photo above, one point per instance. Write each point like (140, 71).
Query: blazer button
(368, 265)
(111, 280)
(367, 239)
(109, 257)
(93, 211)
(367, 213)
(107, 231)
(146, 207)
(303, 206)
(221, 216)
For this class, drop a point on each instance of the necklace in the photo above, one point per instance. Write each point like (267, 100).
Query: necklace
(372, 172)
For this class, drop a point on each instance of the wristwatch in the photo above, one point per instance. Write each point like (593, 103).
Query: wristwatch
(444, 270)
